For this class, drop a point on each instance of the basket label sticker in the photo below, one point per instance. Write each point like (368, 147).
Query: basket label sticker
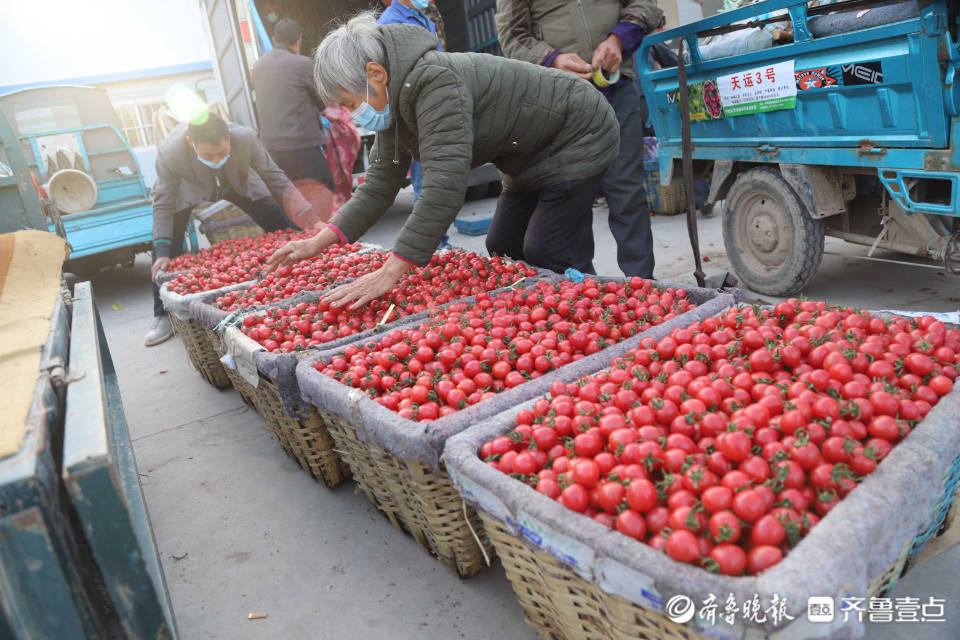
(474, 494)
(247, 370)
(242, 357)
(617, 578)
(768, 88)
(564, 548)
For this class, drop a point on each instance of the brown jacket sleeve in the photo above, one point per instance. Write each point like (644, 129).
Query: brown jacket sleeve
(515, 31)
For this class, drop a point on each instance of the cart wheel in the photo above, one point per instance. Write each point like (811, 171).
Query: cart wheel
(772, 242)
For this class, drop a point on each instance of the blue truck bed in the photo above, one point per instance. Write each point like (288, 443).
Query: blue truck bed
(876, 97)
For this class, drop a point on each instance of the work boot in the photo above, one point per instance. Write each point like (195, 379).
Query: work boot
(160, 331)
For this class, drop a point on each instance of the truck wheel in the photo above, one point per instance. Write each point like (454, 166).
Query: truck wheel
(772, 242)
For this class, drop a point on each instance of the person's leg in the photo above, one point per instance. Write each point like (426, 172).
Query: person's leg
(624, 188)
(560, 234)
(509, 224)
(416, 178)
(180, 220)
(266, 212)
(161, 330)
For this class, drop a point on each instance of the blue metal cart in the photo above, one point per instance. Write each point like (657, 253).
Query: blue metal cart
(851, 130)
(43, 129)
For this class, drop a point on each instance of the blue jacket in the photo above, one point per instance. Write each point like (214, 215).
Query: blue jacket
(398, 13)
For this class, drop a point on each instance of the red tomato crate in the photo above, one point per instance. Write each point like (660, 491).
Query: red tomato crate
(576, 579)
(396, 462)
(266, 381)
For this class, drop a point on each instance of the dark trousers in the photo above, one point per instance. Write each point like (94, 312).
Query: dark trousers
(623, 186)
(266, 212)
(550, 228)
(304, 163)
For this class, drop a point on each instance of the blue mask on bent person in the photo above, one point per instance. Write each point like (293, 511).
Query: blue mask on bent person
(420, 5)
(369, 118)
(215, 165)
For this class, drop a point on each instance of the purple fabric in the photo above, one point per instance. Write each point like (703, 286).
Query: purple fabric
(631, 35)
(548, 61)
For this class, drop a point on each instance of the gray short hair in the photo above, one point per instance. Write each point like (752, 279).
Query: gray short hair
(339, 61)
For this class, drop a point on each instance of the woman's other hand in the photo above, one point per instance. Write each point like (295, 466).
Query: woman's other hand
(370, 286)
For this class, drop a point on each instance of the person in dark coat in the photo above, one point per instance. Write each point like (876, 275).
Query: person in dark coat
(289, 109)
(583, 38)
(549, 133)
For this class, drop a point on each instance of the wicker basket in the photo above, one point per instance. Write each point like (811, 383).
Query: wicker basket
(559, 604)
(200, 352)
(306, 441)
(415, 498)
(663, 199)
(224, 220)
(414, 495)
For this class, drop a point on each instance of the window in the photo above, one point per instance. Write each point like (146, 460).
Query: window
(136, 120)
(37, 119)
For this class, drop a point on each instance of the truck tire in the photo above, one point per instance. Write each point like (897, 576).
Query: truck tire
(772, 242)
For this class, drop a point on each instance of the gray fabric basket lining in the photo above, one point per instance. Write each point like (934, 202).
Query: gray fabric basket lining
(852, 545)
(423, 442)
(182, 305)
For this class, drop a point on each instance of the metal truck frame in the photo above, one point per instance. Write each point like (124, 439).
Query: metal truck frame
(869, 152)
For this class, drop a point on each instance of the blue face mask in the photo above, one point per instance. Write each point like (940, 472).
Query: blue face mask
(420, 4)
(215, 165)
(369, 118)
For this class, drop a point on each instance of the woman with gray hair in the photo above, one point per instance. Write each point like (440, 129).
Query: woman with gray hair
(549, 133)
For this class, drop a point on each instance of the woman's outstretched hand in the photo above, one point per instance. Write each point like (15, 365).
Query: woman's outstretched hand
(297, 250)
(370, 286)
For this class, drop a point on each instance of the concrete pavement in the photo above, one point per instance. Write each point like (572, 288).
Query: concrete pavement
(241, 529)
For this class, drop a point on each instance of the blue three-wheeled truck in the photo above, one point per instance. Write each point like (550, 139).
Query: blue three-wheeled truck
(66, 167)
(850, 128)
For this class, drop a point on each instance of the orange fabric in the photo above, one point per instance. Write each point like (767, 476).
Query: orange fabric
(30, 266)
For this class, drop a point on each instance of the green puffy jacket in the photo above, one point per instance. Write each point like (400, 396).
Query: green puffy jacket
(455, 111)
(531, 30)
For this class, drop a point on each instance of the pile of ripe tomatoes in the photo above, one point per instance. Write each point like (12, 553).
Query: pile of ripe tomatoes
(468, 352)
(336, 263)
(448, 276)
(227, 262)
(724, 443)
